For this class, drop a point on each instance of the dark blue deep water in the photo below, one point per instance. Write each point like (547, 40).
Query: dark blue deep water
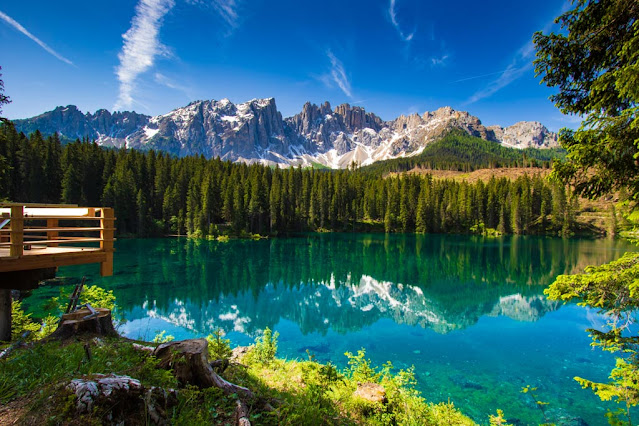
(469, 313)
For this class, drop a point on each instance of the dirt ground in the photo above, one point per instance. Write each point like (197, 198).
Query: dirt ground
(481, 174)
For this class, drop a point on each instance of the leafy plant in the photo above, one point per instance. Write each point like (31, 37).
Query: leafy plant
(540, 404)
(265, 347)
(219, 348)
(162, 337)
(360, 368)
(22, 322)
(498, 420)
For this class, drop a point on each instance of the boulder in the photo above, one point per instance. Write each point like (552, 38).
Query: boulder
(371, 392)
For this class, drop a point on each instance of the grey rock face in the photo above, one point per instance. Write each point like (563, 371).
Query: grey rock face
(106, 128)
(254, 131)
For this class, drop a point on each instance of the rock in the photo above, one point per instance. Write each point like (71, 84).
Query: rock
(75, 323)
(238, 353)
(371, 392)
(562, 417)
(255, 131)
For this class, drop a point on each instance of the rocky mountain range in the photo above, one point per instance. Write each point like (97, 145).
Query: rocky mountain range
(255, 131)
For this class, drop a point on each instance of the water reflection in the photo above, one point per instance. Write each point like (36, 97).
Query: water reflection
(344, 282)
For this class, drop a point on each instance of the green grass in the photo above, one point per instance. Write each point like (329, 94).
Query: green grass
(298, 392)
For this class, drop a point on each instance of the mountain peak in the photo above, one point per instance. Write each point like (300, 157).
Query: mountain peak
(254, 131)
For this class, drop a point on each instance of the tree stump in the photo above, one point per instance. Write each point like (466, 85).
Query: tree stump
(121, 399)
(190, 364)
(75, 323)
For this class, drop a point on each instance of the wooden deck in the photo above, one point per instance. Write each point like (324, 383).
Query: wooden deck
(40, 257)
(39, 236)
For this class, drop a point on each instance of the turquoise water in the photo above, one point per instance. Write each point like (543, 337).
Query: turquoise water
(467, 312)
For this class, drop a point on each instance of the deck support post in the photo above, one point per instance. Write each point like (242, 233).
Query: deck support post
(5, 315)
(52, 235)
(106, 243)
(17, 235)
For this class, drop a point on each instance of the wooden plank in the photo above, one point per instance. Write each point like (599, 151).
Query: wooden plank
(77, 240)
(16, 244)
(7, 204)
(58, 229)
(52, 260)
(61, 217)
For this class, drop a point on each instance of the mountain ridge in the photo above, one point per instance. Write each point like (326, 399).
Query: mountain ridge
(255, 131)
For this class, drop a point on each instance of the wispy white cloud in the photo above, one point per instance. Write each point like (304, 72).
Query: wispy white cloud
(228, 10)
(393, 16)
(141, 46)
(520, 64)
(171, 84)
(15, 24)
(474, 77)
(441, 61)
(338, 75)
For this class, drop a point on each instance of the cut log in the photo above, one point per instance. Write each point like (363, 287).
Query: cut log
(241, 414)
(142, 348)
(189, 361)
(76, 323)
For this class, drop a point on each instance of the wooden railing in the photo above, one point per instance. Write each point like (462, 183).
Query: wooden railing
(42, 229)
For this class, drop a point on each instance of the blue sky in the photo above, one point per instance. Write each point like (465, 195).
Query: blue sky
(391, 57)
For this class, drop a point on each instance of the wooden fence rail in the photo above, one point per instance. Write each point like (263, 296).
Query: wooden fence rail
(45, 236)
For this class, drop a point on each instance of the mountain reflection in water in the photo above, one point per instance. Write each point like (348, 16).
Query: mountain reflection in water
(469, 313)
(344, 281)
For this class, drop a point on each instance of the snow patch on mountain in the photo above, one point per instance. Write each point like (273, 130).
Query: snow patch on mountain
(255, 132)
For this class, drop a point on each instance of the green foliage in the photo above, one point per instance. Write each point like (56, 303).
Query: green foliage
(625, 377)
(460, 151)
(45, 365)
(153, 193)
(540, 404)
(613, 289)
(162, 337)
(303, 392)
(265, 347)
(22, 323)
(98, 297)
(4, 99)
(219, 348)
(94, 295)
(360, 367)
(203, 406)
(49, 325)
(593, 63)
(498, 420)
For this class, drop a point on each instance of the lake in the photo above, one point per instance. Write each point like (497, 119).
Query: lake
(468, 312)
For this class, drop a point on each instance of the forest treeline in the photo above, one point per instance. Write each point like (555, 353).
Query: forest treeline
(459, 151)
(154, 194)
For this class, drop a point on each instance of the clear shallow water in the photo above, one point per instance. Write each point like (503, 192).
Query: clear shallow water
(468, 313)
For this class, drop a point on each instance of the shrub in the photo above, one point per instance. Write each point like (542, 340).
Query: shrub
(265, 347)
(219, 348)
